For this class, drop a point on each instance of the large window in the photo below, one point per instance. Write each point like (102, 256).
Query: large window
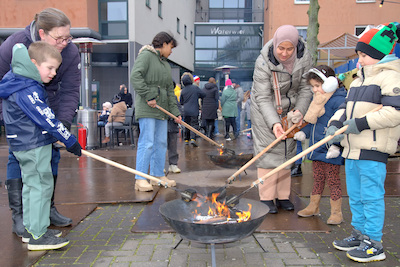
(113, 19)
(228, 44)
(230, 11)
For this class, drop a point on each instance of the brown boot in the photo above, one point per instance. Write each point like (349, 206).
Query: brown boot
(170, 183)
(312, 208)
(143, 185)
(105, 140)
(336, 212)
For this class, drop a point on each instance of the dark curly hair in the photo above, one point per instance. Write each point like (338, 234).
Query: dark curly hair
(163, 37)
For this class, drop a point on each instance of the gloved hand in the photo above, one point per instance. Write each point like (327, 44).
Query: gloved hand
(351, 127)
(75, 149)
(299, 136)
(333, 152)
(66, 124)
(331, 131)
(294, 116)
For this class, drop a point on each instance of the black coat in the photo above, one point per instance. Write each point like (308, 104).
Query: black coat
(190, 95)
(210, 102)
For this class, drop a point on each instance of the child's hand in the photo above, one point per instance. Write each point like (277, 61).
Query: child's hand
(351, 127)
(331, 131)
(299, 136)
(333, 152)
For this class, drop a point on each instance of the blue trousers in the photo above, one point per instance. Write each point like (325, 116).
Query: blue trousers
(14, 171)
(152, 147)
(365, 181)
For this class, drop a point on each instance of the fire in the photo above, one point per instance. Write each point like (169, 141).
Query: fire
(221, 151)
(218, 212)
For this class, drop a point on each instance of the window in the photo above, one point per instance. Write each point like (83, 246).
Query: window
(113, 19)
(184, 31)
(178, 25)
(191, 37)
(302, 32)
(365, 1)
(359, 29)
(148, 3)
(160, 8)
(301, 1)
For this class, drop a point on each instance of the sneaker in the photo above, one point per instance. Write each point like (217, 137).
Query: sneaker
(186, 142)
(349, 243)
(271, 206)
(369, 250)
(193, 143)
(27, 236)
(228, 137)
(47, 242)
(284, 204)
(165, 179)
(174, 169)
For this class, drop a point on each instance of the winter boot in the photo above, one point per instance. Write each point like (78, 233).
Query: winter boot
(56, 218)
(312, 208)
(14, 188)
(336, 212)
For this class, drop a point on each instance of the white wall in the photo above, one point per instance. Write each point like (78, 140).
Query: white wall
(144, 24)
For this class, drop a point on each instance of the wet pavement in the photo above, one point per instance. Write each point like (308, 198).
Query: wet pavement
(110, 235)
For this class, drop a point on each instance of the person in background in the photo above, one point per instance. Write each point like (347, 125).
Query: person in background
(31, 129)
(116, 118)
(153, 86)
(246, 104)
(52, 26)
(172, 141)
(229, 109)
(196, 81)
(125, 95)
(239, 100)
(286, 56)
(210, 104)
(190, 96)
(326, 160)
(103, 117)
(370, 137)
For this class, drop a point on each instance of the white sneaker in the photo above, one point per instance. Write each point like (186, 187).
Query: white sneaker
(174, 169)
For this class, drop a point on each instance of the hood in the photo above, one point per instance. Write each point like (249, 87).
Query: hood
(21, 68)
(209, 86)
(149, 48)
(186, 80)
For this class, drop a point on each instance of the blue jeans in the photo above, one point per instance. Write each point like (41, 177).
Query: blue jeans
(152, 147)
(365, 181)
(14, 171)
(216, 130)
(238, 121)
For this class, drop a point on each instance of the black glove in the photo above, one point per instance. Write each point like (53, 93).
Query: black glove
(75, 149)
(66, 124)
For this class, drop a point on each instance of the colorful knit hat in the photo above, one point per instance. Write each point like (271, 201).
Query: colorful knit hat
(380, 41)
(196, 78)
(228, 82)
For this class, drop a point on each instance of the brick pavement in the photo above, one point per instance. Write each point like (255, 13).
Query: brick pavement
(104, 239)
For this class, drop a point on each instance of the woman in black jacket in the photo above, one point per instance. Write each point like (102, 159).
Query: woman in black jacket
(209, 106)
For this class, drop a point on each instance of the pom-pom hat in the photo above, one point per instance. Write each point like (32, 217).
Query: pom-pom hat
(196, 78)
(228, 82)
(380, 41)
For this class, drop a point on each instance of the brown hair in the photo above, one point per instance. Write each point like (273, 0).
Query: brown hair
(163, 37)
(42, 51)
(50, 18)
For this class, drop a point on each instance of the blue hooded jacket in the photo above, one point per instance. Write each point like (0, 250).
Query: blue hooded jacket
(29, 121)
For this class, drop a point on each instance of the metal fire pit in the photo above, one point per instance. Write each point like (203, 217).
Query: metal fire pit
(229, 161)
(179, 215)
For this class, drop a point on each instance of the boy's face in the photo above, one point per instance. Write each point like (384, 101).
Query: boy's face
(316, 86)
(366, 60)
(47, 69)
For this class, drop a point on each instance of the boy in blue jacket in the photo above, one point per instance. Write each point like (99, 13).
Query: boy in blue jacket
(31, 128)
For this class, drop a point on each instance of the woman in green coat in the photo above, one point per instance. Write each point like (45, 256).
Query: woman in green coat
(229, 108)
(152, 81)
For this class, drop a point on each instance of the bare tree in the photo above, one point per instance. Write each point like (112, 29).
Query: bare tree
(313, 29)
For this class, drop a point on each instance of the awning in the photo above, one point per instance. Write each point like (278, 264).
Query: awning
(338, 51)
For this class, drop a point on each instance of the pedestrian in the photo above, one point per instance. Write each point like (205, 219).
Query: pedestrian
(105, 113)
(246, 104)
(153, 86)
(210, 105)
(196, 81)
(116, 118)
(125, 95)
(31, 129)
(239, 100)
(286, 57)
(173, 130)
(369, 139)
(326, 161)
(229, 109)
(52, 26)
(190, 96)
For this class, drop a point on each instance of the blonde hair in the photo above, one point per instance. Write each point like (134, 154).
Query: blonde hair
(42, 51)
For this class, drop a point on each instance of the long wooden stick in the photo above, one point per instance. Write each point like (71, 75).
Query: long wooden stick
(190, 127)
(244, 167)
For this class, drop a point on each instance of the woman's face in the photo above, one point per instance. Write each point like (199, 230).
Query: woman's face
(59, 37)
(284, 51)
(166, 50)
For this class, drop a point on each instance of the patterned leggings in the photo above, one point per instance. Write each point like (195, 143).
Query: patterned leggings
(325, 171)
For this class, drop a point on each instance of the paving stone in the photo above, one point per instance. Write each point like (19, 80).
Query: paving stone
(103, 262)
(74, 251)
(87, 257)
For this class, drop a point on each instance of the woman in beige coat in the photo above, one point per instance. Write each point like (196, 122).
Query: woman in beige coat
(287, 56)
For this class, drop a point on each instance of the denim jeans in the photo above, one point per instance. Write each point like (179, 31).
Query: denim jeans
(152, 146)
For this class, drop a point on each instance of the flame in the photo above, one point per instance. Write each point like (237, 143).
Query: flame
(221, 151)
(218, 209)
